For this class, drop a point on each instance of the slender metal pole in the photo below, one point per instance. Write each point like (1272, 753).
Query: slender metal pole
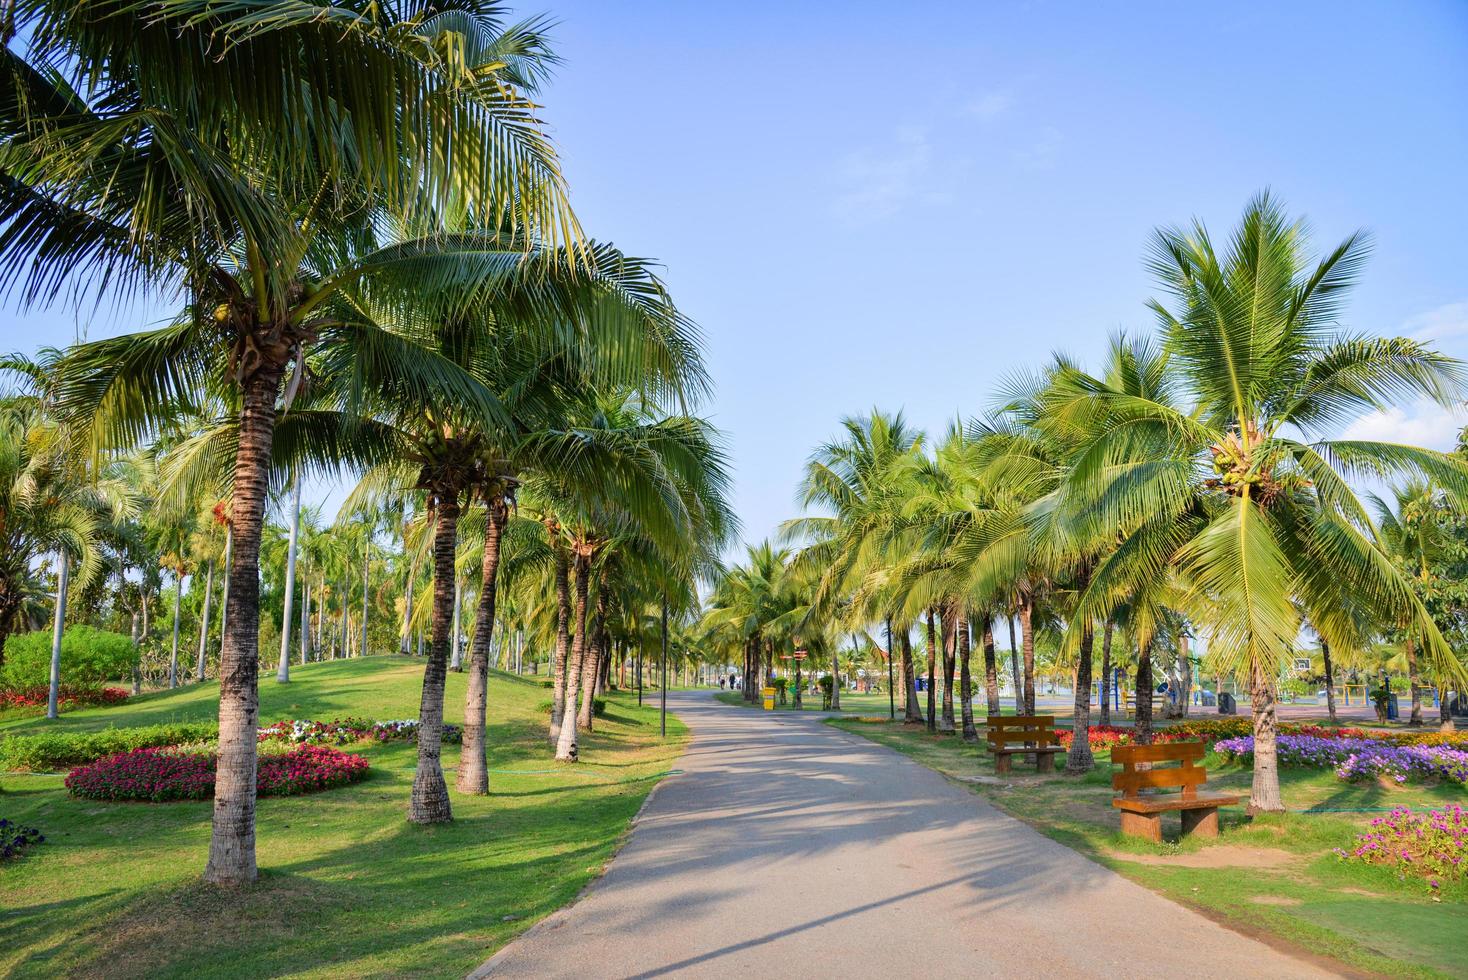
(663, 687)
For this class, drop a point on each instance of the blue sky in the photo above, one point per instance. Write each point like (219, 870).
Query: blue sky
(898, 205)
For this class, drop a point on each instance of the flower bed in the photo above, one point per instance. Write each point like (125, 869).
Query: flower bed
(344, 731)
(159, 775)
(48, 751)
(1431, 845)
(66, 697)
(1360, 758)
(1109, 736)
(14, 839)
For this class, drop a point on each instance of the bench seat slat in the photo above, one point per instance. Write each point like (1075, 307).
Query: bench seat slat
(1173, 801)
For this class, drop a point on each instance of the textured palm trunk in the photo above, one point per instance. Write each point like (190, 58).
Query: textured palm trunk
(912, 710)
(306, 622)
(346, 652)
(932, 675)
(177, 603)
(474, 754)
(991, 668)
(204, 623)
(1186, 663)
(367, 590)
(430, 800)
(283, 668)
(1027, 641)
(567, 749)
(966, 681)
(1264, 796)
(1106, 632)
(591, 673)
(836, 675)
(456, 662)
(1079, 758)
(224, 598)
(1014, 672)
(799, 700)
(1330, 681)
(1415, 680)
(563, 635)
(1143, 725)
(948, 621)
(58, 629)
(232, 838)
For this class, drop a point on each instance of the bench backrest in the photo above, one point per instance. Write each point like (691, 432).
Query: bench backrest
(1006, 729)
(1185, 774)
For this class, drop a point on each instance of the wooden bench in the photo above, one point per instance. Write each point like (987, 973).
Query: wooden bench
(1032, 735)
(1141, 814)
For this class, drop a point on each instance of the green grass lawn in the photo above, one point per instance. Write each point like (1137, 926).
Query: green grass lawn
(1275, 876)
(851, 703)
(348, 887)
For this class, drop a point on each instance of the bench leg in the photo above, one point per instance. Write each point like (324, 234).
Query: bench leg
(1204, 822)
(1001, 763)
(1144, 825)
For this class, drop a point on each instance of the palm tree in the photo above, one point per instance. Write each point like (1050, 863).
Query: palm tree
(1250, 516)
(91, 193)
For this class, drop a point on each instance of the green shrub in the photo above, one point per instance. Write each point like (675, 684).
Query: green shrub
(598, 707)
(88, 657)
(60, 750)
(826, 685)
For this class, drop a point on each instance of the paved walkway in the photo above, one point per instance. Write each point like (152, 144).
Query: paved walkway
(788, 848)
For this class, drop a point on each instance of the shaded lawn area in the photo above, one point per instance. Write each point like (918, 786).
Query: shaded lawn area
(1274, 877)
(348, 887)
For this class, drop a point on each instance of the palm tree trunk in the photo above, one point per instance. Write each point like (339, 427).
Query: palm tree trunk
(283, 670)
(430, 800)
(966, 682)
(1264, 796)
(1330, 681)
(473, 755)
(991, 668)
(563, 637)
(306, 621)
(223, 599)
(949, 632)
(912, 711)
(232, 839)
(1079, 758)
(1014, 672)
(592, 667)
(58, 628)
(836, 674)
(932, 675)
(345, 652)
(566, 747)
(177, 603)
(1143, 724)
(1185, 660)
(456, 663)
(1105, 718)
(1415, 680)
(367, 590)
(204, 623)
(1027, 642)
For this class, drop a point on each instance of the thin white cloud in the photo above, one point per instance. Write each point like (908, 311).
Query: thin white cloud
(990, 105)
(873, 184)
(1443, 323)
(1424, 423)
(1042, 152)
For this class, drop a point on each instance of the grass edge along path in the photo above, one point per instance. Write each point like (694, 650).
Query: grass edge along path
(347, 887)
(1276, 879)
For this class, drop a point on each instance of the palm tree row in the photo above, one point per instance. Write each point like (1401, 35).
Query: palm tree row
(1194, 489)
(367, 237)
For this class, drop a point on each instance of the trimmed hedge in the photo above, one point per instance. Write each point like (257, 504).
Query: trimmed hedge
(89, 657)
(50, 751)
(598, 707)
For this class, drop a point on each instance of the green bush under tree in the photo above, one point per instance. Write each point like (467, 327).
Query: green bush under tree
(89, 657)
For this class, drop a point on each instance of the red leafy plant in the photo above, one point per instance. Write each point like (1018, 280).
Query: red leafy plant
(158, 775)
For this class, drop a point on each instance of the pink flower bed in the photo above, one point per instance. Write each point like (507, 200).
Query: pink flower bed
(1431, 845)
(157, 775)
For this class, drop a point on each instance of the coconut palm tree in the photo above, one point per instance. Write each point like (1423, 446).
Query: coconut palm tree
(1243, 496)
(223, 107)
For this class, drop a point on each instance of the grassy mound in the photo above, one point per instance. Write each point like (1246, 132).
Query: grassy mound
(348, 887)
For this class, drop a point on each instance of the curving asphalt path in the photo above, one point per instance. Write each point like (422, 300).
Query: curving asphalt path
(789, 848)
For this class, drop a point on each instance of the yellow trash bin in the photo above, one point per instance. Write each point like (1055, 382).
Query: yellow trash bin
(769, 694)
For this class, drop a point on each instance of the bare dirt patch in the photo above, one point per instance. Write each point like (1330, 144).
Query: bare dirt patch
(1223, 856)
(1280, 900)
